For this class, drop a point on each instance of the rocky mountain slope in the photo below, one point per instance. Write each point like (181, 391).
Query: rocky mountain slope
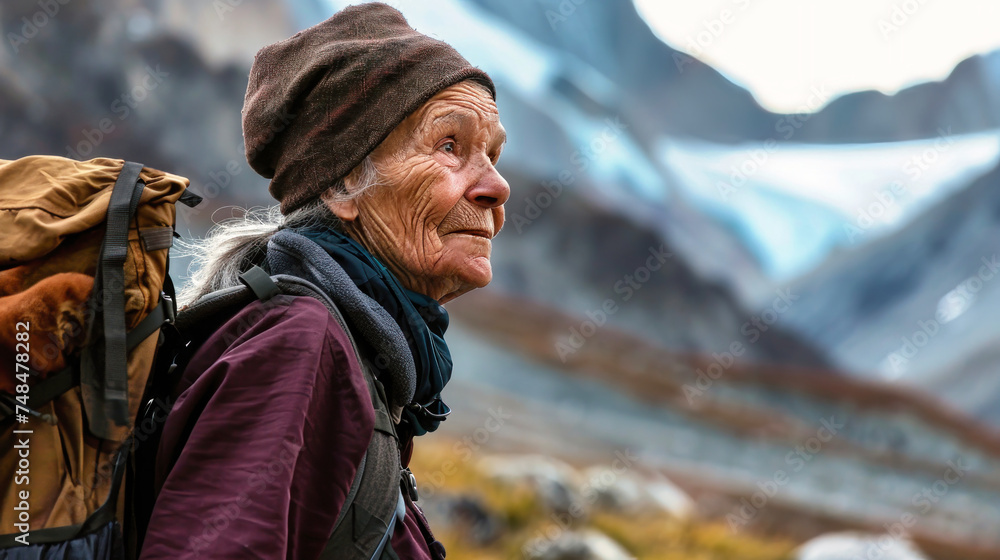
(920, 305)
(763, 448)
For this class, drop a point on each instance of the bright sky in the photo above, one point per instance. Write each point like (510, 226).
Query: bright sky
(781, 49)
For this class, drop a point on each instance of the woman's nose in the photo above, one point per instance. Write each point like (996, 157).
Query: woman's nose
(490, 191)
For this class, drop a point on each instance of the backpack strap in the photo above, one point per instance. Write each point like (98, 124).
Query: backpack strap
(65, 379)
(261, 284)
(164, 312)
(107, 379)
(374, 503)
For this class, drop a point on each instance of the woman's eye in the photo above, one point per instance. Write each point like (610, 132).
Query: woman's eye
(448, 146)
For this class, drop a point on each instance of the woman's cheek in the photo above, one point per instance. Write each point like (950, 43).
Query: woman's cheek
(444, 159)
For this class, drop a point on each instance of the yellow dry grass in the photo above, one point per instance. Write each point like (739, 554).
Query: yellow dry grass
(648, 537)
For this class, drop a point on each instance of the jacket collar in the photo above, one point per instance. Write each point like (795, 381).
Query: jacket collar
(294, 254)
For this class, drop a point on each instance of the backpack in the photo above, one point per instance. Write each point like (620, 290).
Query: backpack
(83, 275)
(84, 284)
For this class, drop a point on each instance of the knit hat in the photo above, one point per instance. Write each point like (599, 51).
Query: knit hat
(320, 101)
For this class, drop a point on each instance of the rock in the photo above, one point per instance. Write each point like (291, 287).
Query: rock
(630, 493)
(615, 492)
(554, 481)
(848, 546)
(465, 515)
(670, 499)
(470, 517)
(573, 545)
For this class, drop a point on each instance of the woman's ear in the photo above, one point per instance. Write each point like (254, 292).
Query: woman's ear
(346, 210)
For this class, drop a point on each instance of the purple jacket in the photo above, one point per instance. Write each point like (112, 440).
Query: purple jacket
(270, 422)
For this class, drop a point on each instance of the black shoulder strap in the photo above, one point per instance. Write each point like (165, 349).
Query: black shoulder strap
(106, 380)
(124, 201)
(260, 282)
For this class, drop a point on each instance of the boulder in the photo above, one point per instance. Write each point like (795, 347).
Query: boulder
(463, 514)
(554, 481)
(606, 490)
(851, 546)
(630, 493)
(666, 496)
(576, 545)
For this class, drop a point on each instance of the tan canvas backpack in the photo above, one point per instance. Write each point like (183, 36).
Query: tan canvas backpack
(84, 289)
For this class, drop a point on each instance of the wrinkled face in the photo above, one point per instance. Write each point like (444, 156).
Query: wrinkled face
(440, 200)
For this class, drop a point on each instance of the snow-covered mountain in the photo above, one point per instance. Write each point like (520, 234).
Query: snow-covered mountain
(795, 204)
(669, 92)
(918, 306)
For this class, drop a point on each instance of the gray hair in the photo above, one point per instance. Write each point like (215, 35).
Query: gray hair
(234, 246)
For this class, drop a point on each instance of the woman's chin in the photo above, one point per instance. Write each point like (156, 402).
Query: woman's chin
(468, 261)
(480, 280)
(475, 273)
(478, 271)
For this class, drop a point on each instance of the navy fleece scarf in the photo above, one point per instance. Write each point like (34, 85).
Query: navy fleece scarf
(422, 320)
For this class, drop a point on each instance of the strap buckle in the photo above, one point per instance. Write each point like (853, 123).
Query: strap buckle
(409, 482)
(424, 409)
(169, 311)
(9, 402)
(260, 282)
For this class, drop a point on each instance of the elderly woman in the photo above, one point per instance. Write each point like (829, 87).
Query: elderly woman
(380, 143)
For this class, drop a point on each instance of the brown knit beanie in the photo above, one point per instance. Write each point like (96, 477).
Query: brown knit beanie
(320, 101)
